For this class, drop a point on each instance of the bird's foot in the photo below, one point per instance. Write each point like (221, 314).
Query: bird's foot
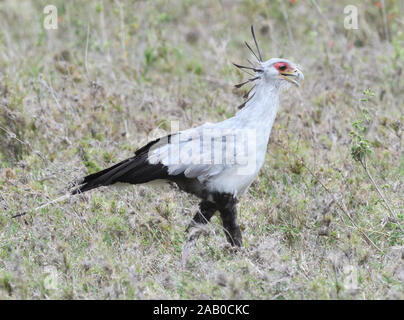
(234, 237)
(231, 249)
(195, 230)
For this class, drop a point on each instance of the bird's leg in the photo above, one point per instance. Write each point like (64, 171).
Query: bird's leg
(228, 213)
(206, 211)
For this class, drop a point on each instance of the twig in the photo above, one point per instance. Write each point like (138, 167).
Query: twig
(393, 215)
(339, 203)
(285, 16)
(53, 94)
(14, 136)
(103, 32)
(371, 231)
(64, 197)
(86, 52)
(320, 12)
(386, 32)
(122, 26)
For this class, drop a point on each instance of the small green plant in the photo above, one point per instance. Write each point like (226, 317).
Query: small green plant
(360, 146)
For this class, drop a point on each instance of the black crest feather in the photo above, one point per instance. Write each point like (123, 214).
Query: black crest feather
(253, 67)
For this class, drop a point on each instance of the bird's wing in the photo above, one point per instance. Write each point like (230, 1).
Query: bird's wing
(200, 152)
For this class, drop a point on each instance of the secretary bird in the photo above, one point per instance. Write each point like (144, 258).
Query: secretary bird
(217, 162)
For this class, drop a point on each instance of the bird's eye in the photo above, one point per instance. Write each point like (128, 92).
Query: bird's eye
(282, 68)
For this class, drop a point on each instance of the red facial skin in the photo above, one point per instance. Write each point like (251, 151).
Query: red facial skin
(282, 67)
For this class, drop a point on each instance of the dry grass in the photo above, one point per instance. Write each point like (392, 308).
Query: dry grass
(79, 98)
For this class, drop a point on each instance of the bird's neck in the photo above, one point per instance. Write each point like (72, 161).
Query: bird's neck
(260, 111)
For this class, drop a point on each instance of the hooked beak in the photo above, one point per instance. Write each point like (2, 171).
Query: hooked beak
(293, 76)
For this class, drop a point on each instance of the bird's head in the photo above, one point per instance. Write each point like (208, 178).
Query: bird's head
(280, 71)
(275, 72)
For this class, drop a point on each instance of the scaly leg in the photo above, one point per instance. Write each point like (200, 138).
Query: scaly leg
(228, 213)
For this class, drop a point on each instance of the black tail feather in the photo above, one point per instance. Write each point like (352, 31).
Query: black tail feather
(134, 170)
(100, 178)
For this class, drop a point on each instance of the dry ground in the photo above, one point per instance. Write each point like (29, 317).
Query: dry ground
(79, 98)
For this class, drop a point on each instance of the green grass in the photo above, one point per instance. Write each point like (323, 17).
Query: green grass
(63, 116)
